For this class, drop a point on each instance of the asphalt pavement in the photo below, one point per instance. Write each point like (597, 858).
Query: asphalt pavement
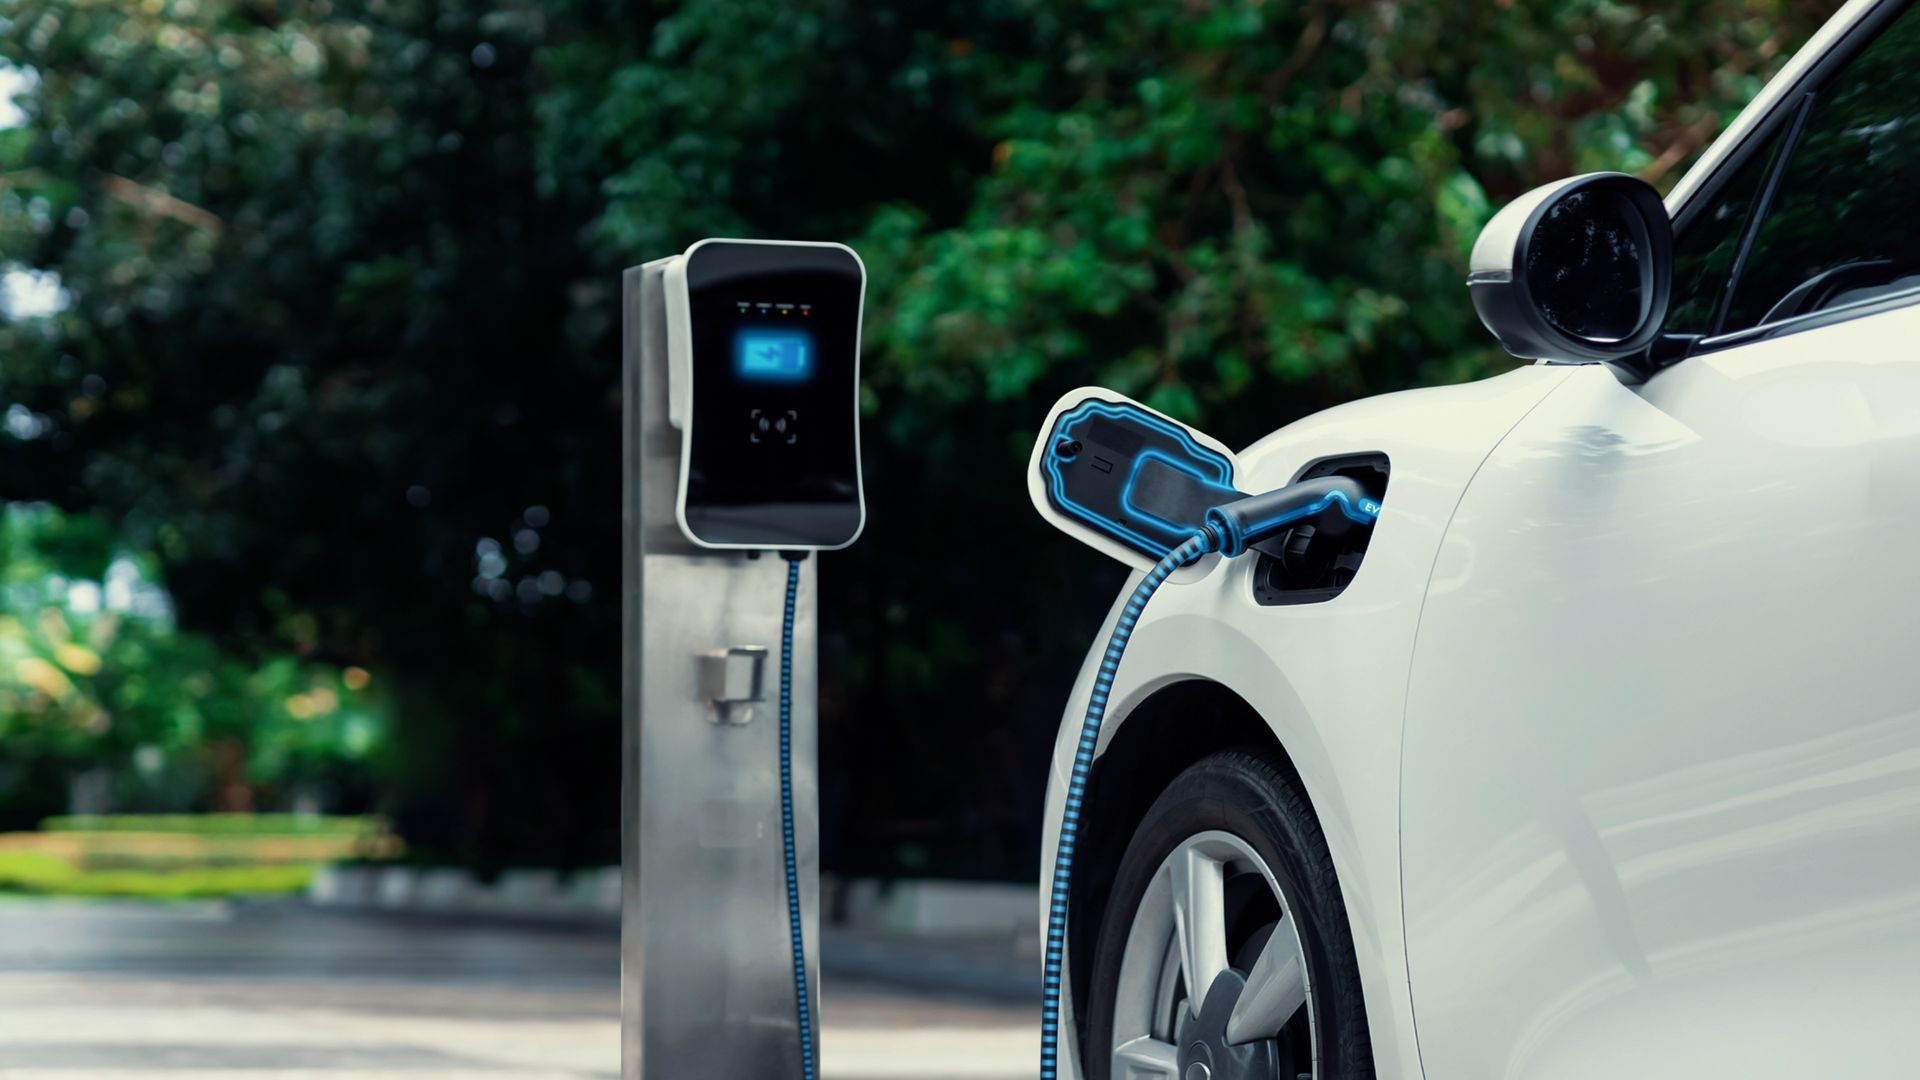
(115, 991)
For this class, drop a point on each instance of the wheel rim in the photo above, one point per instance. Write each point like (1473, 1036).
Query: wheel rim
(1213, 907)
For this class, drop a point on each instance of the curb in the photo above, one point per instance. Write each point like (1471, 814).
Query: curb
(968, 939)
(990, 970)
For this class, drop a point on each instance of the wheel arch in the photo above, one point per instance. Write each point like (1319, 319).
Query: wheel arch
(1169, 730)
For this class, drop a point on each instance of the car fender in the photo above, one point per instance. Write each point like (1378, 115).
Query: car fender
(1329, 679)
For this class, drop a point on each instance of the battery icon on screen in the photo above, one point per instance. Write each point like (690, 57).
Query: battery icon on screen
(773, 355)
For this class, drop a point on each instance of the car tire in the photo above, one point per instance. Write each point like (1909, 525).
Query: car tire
(1244, 811)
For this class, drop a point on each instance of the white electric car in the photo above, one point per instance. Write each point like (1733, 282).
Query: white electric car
(1599, 755)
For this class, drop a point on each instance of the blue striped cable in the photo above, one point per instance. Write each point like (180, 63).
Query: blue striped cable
(1209, 539)
(802, 1002)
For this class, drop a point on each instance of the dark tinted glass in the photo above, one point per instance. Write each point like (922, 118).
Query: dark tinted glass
(1703, 254)
(1842, 225)
(772, 450)
(1586, 266)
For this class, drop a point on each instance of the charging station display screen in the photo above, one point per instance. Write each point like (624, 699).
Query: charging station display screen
(773, 356)
(773, 451)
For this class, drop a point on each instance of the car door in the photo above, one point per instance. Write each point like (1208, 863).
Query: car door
(1661, 769)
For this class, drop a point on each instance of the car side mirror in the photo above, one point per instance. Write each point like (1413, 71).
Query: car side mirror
(1580, 269)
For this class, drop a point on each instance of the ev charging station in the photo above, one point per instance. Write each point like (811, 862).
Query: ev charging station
(741, 375)
(741, 455)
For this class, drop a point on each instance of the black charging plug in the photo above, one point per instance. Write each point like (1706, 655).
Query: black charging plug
(1334, 503)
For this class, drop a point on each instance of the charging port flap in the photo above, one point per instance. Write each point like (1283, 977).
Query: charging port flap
(1126, 479)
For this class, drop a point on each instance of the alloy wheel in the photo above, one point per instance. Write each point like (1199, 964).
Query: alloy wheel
(1213, 982)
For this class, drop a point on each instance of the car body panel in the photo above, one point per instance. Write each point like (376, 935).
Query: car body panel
(1330, 678)
(1662, 794)
(1613, 738)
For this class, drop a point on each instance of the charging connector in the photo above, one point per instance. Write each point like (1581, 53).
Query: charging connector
(1338, 502)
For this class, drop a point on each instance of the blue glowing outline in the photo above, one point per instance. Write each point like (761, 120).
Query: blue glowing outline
(1096, 407)
(1133, 479)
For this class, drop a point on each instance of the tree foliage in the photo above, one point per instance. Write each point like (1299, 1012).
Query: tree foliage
(94, 675)
(341, 341)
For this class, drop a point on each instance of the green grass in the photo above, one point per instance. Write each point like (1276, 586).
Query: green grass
(49, 875)
(220, 824)
(183, 856)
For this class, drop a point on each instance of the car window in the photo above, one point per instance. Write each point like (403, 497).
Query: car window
(1841, 226)
(1704, 251)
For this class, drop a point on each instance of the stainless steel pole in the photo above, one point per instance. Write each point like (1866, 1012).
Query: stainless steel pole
(706, 982)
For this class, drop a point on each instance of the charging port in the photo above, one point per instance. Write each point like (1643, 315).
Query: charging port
(1309, 565)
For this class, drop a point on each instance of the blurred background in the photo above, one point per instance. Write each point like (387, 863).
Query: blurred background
(309, 411)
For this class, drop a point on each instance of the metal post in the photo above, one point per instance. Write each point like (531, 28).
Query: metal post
(706, 983)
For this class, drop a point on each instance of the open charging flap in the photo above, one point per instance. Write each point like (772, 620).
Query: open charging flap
(1127, 480)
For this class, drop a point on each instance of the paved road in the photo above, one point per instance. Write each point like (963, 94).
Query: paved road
(106, 991)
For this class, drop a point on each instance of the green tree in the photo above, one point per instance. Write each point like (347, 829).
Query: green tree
(332, 356)
(94, 675)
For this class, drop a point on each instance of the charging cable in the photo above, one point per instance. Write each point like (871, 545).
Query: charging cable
(803, 1003)
(1230, 529)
